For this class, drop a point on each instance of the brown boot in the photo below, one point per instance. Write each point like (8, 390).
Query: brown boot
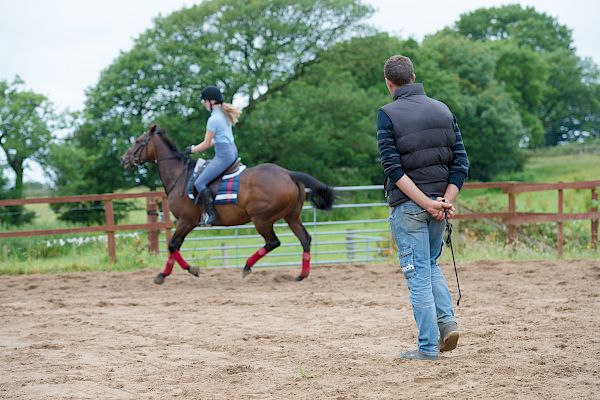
(449, 334)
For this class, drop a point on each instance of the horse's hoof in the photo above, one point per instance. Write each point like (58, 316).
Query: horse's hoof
(246, 271)
(159, 279)
(300, 278)
(194, 271)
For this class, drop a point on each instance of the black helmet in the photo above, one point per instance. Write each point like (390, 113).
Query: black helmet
(212, 93)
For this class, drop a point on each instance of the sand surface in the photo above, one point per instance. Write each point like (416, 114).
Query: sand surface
(531, 331)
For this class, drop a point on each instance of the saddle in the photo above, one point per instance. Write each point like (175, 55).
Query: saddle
(235, 169)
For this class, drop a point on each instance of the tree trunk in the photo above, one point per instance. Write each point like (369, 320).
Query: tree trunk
(17, 167)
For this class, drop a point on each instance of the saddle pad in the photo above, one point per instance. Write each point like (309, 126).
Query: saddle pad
(229, 187)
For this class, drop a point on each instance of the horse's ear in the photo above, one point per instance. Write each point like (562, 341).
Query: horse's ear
(153, 128)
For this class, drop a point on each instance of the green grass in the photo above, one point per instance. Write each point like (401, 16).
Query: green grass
(132, 254)
(569, 164)
(304, 373)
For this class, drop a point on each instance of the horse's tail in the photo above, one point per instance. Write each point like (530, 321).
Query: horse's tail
(322, 196)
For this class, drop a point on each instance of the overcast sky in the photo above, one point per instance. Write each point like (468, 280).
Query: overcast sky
(59, 47)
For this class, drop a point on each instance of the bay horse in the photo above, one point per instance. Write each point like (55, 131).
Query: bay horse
(266, 194)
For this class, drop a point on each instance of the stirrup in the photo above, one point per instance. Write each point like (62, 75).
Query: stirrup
(205, 220)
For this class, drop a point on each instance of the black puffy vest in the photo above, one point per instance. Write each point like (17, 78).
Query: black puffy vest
(424, 133)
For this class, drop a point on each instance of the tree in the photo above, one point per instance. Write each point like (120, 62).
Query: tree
(251, 50)
(524, 74)
(571, 106)
(329, 113)
(526, 26)
(460, 72)
(25, 117)
(554, 88)
(68, 166)
(11, 215)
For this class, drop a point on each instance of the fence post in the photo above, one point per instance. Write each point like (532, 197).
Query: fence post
(237, 247)
(151, 218)
(314, 238)
(559, 224)
(110, 233)
(512, 229)
(594, 221)
(224, 253)
(166, 218)
(349, 245)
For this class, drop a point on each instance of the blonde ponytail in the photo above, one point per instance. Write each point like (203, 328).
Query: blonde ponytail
(231, 112)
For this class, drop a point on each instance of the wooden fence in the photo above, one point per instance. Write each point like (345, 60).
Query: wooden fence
(510, 217)
(152, 225)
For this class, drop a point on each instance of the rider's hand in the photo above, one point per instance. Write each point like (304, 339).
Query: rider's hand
(187, 151)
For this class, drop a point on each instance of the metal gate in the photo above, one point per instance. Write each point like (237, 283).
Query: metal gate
(361, 235)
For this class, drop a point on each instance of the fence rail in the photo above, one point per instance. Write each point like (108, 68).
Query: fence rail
(153, 226)
(368, 238)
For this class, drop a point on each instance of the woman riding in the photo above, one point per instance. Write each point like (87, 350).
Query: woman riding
(220, 134)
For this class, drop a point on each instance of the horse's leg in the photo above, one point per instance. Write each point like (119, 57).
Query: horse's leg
(271, 242)
(182, 230)
(295, 224)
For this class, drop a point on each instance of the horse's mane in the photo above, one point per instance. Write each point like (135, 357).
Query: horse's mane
(168, 141)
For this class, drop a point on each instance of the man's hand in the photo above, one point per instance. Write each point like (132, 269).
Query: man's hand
(187, 151)
(438, 209)
(449, 211)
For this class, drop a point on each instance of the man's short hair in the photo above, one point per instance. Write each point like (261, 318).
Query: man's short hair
(398, 70)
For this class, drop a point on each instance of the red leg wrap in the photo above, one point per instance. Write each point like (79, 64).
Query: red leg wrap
(260, 253)
(169, 266)
(305, 264)
(180, 260)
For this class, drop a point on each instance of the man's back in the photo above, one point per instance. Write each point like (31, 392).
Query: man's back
(424, 137)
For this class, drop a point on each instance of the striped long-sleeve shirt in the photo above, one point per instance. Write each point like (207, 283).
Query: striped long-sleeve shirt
(390, 157)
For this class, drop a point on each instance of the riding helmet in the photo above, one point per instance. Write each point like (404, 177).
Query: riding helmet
(212, 93)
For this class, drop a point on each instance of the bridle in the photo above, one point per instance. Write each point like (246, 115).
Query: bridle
(137, 154)
(137, 160)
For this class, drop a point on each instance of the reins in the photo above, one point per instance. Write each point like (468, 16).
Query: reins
(185, 161)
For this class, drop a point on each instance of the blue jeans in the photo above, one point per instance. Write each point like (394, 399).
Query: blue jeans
(225, 155)
(419, 238)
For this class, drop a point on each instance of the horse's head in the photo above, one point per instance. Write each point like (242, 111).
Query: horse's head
(142, 150)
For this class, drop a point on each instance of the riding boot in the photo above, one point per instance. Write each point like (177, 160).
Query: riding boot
(190, 187)
(209, 207)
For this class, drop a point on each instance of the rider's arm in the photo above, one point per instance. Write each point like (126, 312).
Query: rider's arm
(206, 143)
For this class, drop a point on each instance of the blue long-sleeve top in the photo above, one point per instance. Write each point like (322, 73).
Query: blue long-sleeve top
(390, 157)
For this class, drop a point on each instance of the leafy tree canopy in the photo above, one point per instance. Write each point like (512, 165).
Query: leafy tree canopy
(25, 117)
(554, 88)
(251, 50)
(526, 26)
(488, 117)
(311, 79)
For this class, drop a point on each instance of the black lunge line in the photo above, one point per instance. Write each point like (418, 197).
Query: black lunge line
(449, 242)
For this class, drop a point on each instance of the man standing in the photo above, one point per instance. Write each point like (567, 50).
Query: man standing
(425, 164)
